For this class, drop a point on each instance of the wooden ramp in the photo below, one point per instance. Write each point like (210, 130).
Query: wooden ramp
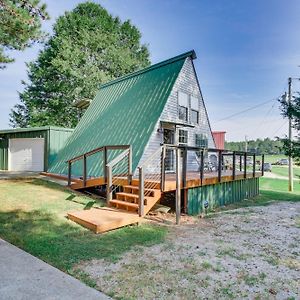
(103, 219)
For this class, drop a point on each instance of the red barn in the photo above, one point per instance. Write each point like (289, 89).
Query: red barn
(219, 137)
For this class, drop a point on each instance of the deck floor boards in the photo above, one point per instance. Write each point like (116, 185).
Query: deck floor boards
(103, 219)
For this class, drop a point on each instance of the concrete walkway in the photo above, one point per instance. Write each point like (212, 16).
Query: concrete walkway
(23, 276)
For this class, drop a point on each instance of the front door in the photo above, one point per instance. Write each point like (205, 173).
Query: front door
(169, 138)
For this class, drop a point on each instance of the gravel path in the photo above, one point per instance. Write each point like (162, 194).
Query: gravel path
(248, 253)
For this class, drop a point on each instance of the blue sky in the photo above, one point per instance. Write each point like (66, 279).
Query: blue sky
(246, 51)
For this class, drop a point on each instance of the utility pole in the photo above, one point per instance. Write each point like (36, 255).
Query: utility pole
(291, 182)
(246, 143)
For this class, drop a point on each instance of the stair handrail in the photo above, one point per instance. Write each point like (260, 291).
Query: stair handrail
(109, 168)
(141, 174)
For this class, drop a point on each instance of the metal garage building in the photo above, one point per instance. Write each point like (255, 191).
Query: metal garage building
(31, 149)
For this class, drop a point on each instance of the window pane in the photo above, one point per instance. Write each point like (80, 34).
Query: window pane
(183, 99)
(194, 103)
(201, 140)
(183, 113)
(194, 116)
(183, 137)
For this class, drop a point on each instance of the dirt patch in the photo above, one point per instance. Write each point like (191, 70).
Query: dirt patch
(248, 253)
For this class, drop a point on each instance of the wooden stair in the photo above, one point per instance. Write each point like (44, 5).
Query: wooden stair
(128, 199)
(123, 210)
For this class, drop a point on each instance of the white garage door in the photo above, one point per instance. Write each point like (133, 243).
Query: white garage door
(26, 154)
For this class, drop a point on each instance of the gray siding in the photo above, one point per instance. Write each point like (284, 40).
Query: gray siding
(187, 83)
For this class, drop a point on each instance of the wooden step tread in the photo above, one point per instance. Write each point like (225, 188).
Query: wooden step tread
(134, 187)
(124, 203)
(128, 195)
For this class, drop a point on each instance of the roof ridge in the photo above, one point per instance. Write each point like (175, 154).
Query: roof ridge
(190, 53)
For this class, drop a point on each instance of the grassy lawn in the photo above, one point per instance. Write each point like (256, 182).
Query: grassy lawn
(279, 185)
(283, 171)
(32, 217)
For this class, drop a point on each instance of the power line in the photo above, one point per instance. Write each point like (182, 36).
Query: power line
(285, 122)
(253, 107)
(264, 118)
(246, 110)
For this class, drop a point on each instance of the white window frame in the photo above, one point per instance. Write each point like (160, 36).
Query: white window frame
(187, 137)
(183, 102)
(204, 137)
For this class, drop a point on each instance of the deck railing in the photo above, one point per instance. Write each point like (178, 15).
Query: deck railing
(118, 171)
(213, 163)
(105, 159)
(150, 176)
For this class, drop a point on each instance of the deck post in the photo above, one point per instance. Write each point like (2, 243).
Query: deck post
(69, 173)
(245, 165)
(254, 158)
(220, 166)
(201, 166)
(241, 165)
(109, 184)
(262, 164)
(163, 173)
(184, 167)
(84, 170)
(233, 165)
(178, 187)
(141, 192)
(105, 163)
(130, 165)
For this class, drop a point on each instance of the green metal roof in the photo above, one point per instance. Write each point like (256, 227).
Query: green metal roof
(16, 130)
(124, 112)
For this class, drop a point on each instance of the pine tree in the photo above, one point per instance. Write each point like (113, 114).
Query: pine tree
(88, 47)
(20, 26)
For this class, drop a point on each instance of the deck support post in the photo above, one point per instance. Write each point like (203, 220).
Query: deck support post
(141, 192)
(262, 164)
(69, 173)
(220, 166)
(178, 187)
(184, 167)
(84, 170)
(254, 158)
(109, 184)
(163, 173)
(130, 165)
(233, 165)
(241, 165)
(201, 166)
(245, 165)
(105, 163)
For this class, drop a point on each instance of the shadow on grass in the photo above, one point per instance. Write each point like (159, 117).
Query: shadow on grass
(71, 195)
(64, 245)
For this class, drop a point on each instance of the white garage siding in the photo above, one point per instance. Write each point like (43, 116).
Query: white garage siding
(26, 154)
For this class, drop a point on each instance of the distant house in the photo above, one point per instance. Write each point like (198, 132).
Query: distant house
(161, 104)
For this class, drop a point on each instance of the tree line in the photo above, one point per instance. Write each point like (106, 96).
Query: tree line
(258, 146)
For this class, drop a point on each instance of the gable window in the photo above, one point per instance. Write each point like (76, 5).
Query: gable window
(183, 103)
(183, 137)
(201, 140)
(194, 110)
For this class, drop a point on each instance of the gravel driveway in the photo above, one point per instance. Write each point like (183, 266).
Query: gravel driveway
(248, 253)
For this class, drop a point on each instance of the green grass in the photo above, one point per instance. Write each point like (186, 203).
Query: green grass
(33, 217)
(283, 171)
(280, 185)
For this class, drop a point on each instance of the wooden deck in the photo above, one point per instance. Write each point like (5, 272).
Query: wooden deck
(193, 179)
(100, 220)
(123, 210)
